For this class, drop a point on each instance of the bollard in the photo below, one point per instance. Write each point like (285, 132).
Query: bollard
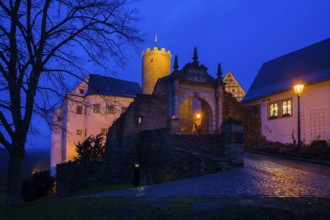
(136, 175)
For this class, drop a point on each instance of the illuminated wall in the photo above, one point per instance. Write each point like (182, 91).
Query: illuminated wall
(76, 125)
(315, 115)
(155, 64)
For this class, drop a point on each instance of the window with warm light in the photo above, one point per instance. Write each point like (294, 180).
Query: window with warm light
(279, 109)
(286, 108)
(79, 132)
(104, 131)
(96, 108)
(273, 110)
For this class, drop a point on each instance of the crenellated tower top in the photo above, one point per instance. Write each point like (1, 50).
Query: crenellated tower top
(156, 63)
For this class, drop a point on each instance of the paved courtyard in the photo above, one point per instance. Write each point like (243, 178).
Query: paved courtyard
(256, 178)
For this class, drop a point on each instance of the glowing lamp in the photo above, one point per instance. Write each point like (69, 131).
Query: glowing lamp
(198, 116)
(298, 89)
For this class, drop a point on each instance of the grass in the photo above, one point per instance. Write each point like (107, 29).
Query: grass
(100, 189)
(52, 207)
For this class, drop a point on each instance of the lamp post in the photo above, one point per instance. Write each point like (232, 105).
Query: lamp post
(298, 89)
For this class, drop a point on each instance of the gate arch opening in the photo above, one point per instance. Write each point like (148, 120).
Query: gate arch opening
(195, 116)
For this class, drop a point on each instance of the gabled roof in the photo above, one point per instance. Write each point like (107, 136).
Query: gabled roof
(309, 65)
(103, 85)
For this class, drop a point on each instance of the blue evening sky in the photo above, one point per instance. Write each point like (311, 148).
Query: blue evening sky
(240, 34)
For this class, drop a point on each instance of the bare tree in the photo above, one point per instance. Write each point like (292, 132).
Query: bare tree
(41, 44)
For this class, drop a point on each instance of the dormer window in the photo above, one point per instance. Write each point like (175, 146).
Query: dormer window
(81, 91)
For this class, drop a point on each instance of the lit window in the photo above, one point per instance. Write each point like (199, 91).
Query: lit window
(280, 109)
(96, 108)
(139, 121)
(110, 109)
(286, 108)
(79, 132)
(273, 110)
(104, 131)
(79, 109)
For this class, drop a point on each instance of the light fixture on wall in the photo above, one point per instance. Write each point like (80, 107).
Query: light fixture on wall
(298, 89)
(139, 121)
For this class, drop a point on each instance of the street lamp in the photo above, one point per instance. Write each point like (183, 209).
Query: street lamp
(298, 89)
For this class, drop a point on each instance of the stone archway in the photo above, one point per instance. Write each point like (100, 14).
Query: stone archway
(195, 116)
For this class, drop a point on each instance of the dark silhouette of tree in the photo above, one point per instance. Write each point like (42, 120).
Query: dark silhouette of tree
(42, 44)
(91, 149)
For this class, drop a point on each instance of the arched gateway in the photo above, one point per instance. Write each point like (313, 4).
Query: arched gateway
(194, 98)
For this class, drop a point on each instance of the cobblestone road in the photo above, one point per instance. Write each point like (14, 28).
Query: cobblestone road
(256, 178)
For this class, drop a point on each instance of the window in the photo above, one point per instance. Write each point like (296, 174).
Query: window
(286, 108)
(104, 131)
(79, 132)
(81, 91)
(110, 109)
(279, 109)
(96, 108)
(273, 110)
(85, 131)
(79, 109)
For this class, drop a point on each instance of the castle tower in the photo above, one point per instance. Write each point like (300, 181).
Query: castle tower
(156, 63)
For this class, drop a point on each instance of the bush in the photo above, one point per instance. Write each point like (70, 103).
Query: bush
(319, 143)
(40, 185)
(91, 149)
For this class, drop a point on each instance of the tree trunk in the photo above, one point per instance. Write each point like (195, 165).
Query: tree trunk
(14, 180)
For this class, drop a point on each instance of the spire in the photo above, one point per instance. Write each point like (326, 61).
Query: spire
(219, 73)
(195, 57)
(156, 40)
(176, 65)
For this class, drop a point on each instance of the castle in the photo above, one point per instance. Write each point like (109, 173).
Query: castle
(187, 100)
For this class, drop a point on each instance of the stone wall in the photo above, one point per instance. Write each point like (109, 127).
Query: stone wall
(162, 157)
(71, 177)
(146, 112)
(232, 110)
(165, 156)
(252, 127)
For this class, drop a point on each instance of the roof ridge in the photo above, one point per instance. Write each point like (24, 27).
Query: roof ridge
(109, 77)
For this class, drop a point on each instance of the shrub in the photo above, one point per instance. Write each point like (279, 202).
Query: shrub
(91, 149)
(319, 143)
(40, 185)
